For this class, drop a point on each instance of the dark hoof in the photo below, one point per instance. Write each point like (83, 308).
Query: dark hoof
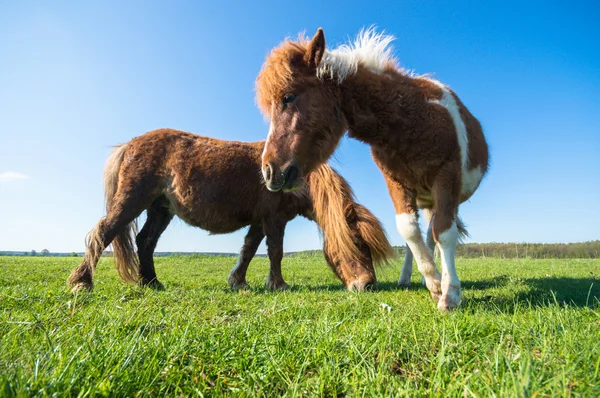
(404, 283)
(235, 286)
(153, 284)
(277, 286)
(237, 283)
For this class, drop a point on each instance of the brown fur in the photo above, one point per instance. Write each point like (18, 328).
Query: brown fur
(216, 185)
(124, 254)
(413, 139)
(334, 204)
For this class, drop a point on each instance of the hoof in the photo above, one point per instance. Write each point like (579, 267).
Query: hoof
(238, 285)
(81, 287)
(277, 286)
(153, 284)
(404, 283)
(435, 288)
(449, 301)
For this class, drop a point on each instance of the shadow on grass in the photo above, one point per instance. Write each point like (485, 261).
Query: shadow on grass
(536, 292)
(539, 292)
(503, 291)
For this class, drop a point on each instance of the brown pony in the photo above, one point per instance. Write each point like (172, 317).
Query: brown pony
(429, 147)
(216, 185)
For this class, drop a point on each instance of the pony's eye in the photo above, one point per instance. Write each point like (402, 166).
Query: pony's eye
(288, 99)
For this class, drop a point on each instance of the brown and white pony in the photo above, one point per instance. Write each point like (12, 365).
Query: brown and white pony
(429, 147)
(217, 186)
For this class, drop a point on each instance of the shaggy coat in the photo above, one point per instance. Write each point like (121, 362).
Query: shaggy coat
(216, 185)
(429, 147)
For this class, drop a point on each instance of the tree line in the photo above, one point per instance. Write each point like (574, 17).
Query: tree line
(531, 250)
(589, 249)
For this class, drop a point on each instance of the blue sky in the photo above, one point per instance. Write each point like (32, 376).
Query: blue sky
(78, 77)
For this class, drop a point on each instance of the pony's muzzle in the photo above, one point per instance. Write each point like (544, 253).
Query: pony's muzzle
(360, 286)
(286, 179)
(273, 178)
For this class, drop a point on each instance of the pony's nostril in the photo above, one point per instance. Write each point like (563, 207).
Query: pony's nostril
(268, 172)
(291, 173)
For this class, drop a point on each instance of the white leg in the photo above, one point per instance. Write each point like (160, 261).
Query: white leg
(406, 273)
(408, 226)
(428, 215)
(447, 242)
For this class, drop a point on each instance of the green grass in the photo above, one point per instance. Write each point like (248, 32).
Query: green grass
(526, 327)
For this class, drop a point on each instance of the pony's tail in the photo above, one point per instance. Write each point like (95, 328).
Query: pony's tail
(374, 235)
(334, 207)
(462, 230)
(124, 252)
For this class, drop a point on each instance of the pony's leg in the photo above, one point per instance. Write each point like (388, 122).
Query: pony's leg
(408, 226)
(404, 280)
(158, 219)
(125, 208)
(428, 215)
(274, 232)
(82, 277)
(446, 192)
(407, 268)
(101, 236)
(237, 277)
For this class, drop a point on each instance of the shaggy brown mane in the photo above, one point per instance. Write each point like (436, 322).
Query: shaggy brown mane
(277, 72)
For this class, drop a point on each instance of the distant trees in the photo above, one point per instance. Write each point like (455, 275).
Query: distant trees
(33, 253)
(45, 252)
(589, 249)
(531, 250)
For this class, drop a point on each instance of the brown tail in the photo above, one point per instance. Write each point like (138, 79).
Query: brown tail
(333, 201)
(123, 245)
(374, 235)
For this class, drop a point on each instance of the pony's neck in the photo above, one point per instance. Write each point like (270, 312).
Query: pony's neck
(373, 103)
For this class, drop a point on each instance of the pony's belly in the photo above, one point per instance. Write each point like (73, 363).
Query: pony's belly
(210, 217)
(425, 200)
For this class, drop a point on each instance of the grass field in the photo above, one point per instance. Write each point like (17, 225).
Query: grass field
(526, 328)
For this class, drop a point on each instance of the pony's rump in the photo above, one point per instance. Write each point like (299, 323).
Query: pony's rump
(124, 253)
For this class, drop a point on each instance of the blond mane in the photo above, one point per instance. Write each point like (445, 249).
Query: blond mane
(371, 49)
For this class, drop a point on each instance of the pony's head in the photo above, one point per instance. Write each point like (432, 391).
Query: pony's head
(299, 89)
(304, 112)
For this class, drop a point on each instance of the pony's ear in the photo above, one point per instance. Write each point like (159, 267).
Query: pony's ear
(315, 49)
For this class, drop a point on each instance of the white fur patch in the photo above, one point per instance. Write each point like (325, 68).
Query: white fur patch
(406, 272)
(408, 226)
(470, 178)
(268, 137)
(370, 48)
